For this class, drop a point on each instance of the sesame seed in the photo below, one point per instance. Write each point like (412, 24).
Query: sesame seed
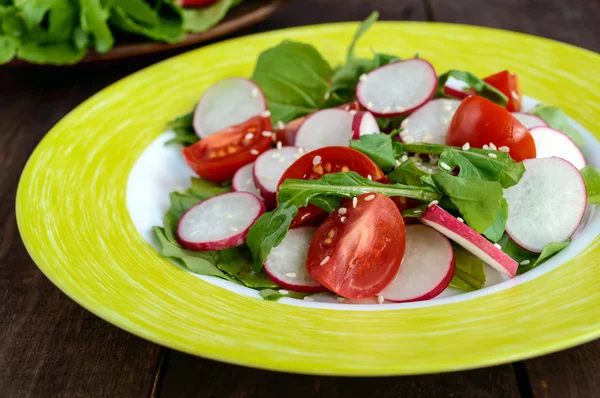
(369, 177)
(265, 114)
(249, 181)
(275, 155)
(347, 108)
(308, 298)
(280, 125)
(400, 109)
(254, 152)
(397, 163)
(279, 145)
(486, 146)
(281, 159)
(369, 198)
(354, 202)
(283, 291)
(234, 229)
(444, 166)
(387, 109)
(408, 139)
(404, 158)
(254, 92)
(524, 262)
(466, 146)
(316, 160)
(304, 216)
(380, 299)
(342, 211)
(433, 202)
(363, 78)
(417, 211)
(343, 219)
(352, 112)
(228, 216)
(492, 155)
(369, 105)
(300, 151)
(340, 299)
(249, 136)
(428, 137)
(266, 133)
(327, 95)
(497, 246)
(504, 149)
(291, 274)
(324, 261)
(460, 219)
(492, 146)
(433, 161)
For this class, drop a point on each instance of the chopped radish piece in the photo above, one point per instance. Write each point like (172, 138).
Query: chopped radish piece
(227, 103)
(427, 267)
(270, 166)
(430, 122)
(364, 123)
(243, 180)
(329, 127)
(285, 265)
(550, 142)
(530, 121)
(398, 88)
(220, 222)
(547, 205)
(444, 222)
(457, 88)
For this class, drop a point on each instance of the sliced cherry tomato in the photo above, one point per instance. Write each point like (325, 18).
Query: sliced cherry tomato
(331, 159)
(357, 252)
(479, 121)
(509, 85)
(218, 156)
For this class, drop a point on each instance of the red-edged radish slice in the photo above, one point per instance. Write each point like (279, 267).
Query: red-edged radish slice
(243, 180)
(329, 127)
(467, 237)
(457, 88)
(427, 267)
(270, 166)
(547, 204)
(364, 123)
(430, 122)
(227, 103)
(550, 142)
(220, 222)
(398, 88)
(285, 265)
(530, 121)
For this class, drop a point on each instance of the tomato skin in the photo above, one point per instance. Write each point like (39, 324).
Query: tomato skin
(509, 85)
(333, 159)
(479, 121)
(359, 257)
(218, 156)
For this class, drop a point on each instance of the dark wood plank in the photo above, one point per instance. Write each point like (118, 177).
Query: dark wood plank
(573, 21)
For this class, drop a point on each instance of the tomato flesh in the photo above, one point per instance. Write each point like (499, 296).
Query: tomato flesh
(357, 252)
(480, 122)
(316, 164)
(509, 85)
(218, 156)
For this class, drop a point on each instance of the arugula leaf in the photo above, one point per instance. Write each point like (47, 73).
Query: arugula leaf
(294, 78)
(168, 29)
(183, 128)
(94, 19)
(364, 26)
(378, 147)
(201, 19)
(204, 189)
(591, 177)
(528, 260)
(274, 295)
(548, 251)
(185, 121)
(180, 203)
(51, 53)
(8, 48)
(407, 173)
(236, 262)
(558, 120)
(481, 87)
(469, 274)
(496, 230)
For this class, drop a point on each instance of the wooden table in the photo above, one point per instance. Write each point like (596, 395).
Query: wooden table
(50, 346)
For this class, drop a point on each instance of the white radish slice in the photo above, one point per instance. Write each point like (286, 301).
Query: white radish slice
(546, 205)
(227, 103)
(329, 127)
(243, 180)
(220, 222)
(457, 88)
(430, 122)
(427, 267)
(530, 121)
(398, 88)
(364, 123)
(550, 142)
(270, 166)
(286, 264)
(467, 237)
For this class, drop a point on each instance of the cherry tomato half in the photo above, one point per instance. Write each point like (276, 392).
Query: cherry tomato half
(218, 156)
(357, 254)
(509, 85)
(315, 164)
(479, 121)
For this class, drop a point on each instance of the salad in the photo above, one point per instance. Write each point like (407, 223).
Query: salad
(374, 181)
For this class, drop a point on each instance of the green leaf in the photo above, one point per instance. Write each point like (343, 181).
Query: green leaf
(550, 250)
(294, 78)
(482, 88)
(378, 147)
(528, 260)
(496, 230)
(275, 295)
(407, 173)
(236, 263)
(469, 274)
(201, 19)
(168, 29)
(180, 203)
(183, 136)
(204, 189)
(185, 121)
(362, 29)
(478, 201)
(47, 21)
(94, 19)
(591, 177)
(52, 53)
(8, 48)
(558, 120)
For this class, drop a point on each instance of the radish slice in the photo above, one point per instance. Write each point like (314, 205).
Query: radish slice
(530, 121)
(427, 267)
(220, 222)
(227, 103)
(547, 205)
(457, 88)
(329, 127)
(286, 264)
(430, 122)
(270, 166)
(364, 123)
(550, 142)
(243, 180)
(398, 88)
(467, 237)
